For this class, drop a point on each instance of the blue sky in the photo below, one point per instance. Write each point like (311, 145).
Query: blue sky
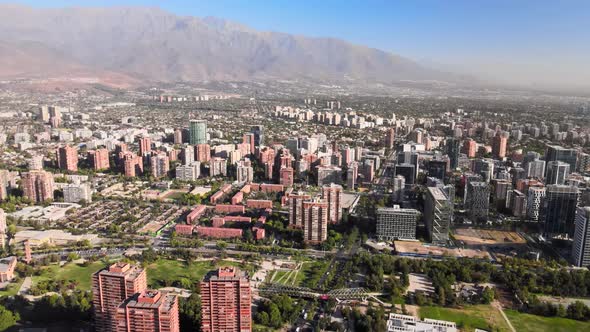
(469, 34)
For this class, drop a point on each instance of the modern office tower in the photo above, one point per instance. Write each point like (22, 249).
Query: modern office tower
(258, 132)
(145, 146)
(149, 311)
(516, 202)
(559, 207)
(245, 173)
(408, 171)
(198, 132)
(332, 194)
(535, 169)
(3, 184)
(390, 138)
(37, 185)
(438, 214)
(470, 147)
(352, 175)
(502, 187)
(67, 158)
(499, 145)
(557, 172)
(477, 200)
(218, 167)
(558, 153)
(110, 287)
(74, 193)
(329, 174)
(178, 136)
(396, 223)
(437, 169)
(249, 139)
(315, 221)
(399, 187)
(296, 208)
(203, 152)
(226, 301)
(292, 145)
(484, 167)
(534, 202)
(581, 246)
(99, 159)
(160, 165)
(453, 149)
(2, 229)
(187, 155)
(190, 172)
(286, 176)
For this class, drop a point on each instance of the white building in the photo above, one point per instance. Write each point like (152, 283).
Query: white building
(189, 172)
(74, 193)
(404, 323)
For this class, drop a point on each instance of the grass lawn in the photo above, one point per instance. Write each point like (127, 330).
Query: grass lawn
(165, 271)
(469, 317)
(11, 289)
(527, 322)
(71, 271)
(311, 273)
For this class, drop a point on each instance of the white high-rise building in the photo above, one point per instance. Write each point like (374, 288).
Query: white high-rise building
(245, 173)
(190, 172)
(581, 247)
(534, 202)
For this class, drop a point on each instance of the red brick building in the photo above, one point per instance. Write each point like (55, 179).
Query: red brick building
(67, 158)
(223, 208)
(218, 232)
(149, 311)
(226, 301)
(99, 159)
(195, 214)
(259, 204)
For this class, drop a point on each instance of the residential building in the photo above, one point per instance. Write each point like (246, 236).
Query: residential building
(38, 186)
(315, 221)
(149, 311)
(189, 172)
(404, 323)
(332, 194)
(160, 165)
(218, 167)
(145, 146)
(535, 198)
(226, 301)
(295, 202)
(203, 152)
(67, 158)
(99, 159)
(74, 193)
(286, 175)
(499, 145)
(329, 174)
(244, 173)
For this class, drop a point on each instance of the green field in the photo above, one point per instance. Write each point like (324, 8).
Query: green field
(70, 271)
(165, 272)
(469, 317)
(161, 273)
(527, 322)
(11, 289)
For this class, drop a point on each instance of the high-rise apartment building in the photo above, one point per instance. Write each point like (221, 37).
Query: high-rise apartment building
(315, 221)
(38, 186)
(178, 136)
(249, 139)
(67, 158)
(581, 246)
(499, 145)
(453, 149)
(198, 132)
(145, 146)
(332, 194)
(132, 164)
(190, 172)
(329, 174)
(187, 155)
(3, 184)
(396, 223)
(559, 208)
(99, 159)
(203, 152)
(535, 169)
(218, 167)
(390, 138)
(110, 287)
(352, 175)
(244, 173)
(148, 311)
(226, 301)
(3, 229)
(258, 132)
(438, 214)
(535, 197)
(295, 202)
(286, 175)
(399, 187)
(160, 165)
(470, 147)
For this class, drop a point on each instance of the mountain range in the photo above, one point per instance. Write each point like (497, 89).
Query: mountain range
(150, 44)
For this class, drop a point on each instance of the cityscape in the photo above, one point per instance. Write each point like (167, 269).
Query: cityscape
(218, 192)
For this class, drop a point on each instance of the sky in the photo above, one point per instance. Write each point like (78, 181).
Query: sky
(543, 42)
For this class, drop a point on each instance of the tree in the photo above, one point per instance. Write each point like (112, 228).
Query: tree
(578, 310)
(275, 319)
(7, 318)
(487, 296)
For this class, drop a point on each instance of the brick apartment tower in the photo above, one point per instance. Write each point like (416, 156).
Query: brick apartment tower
(145, 145)
(203, 152)
(37, 185)
(149, 311)
(226, 301)
(315, 221)
(110, 287)
(332, 194)
(67, 158)
(296, 209)
(99, 159)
